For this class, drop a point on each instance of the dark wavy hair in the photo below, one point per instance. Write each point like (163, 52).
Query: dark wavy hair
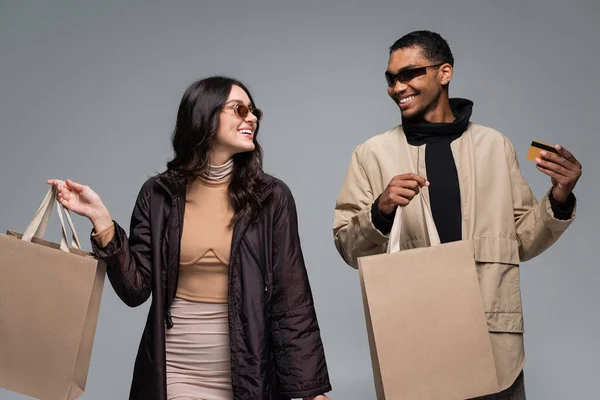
(195, 131)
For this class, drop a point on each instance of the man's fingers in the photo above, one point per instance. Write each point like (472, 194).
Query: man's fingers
(550, 173)
(558, 159)
(554, 166)
(406, 184)
(399, 200)
(401, 196)
(566, 154)
(407, 193)
(421, 181)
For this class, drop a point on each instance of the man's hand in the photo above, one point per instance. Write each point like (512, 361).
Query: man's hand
(400, 191)
(563, 169)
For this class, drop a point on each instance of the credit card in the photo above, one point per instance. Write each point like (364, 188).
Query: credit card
(536, 147)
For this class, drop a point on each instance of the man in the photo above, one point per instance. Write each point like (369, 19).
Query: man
(474, 185)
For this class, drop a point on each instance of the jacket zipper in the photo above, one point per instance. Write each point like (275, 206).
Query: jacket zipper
(168, 316)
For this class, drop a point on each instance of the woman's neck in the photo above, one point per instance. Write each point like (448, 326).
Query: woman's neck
(219, 172)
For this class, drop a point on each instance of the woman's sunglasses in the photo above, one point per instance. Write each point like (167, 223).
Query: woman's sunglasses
(242, 111)
(407, 75)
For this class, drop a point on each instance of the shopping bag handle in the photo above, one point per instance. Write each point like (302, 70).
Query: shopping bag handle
(394, 237)
(37, 226)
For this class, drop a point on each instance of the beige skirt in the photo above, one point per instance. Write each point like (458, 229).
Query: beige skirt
(198, 357)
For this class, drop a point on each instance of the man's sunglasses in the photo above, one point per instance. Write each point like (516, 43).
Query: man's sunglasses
(242, 111)
(407, 75)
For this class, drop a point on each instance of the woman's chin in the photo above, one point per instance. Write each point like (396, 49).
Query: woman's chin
(246, 147)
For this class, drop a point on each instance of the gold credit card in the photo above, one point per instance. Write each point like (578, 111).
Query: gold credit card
(536, 147)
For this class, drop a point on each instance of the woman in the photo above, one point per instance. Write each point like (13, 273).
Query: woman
(215, 241)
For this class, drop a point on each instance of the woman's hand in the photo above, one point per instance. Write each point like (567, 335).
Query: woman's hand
(84, 201)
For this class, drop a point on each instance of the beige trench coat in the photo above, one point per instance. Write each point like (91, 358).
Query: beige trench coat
(499, 211)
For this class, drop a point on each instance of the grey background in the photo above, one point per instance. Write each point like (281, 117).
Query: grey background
(89, 91)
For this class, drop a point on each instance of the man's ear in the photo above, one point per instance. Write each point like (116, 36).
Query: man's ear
(445, 74)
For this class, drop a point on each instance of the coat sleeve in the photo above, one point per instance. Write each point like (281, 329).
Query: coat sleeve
(299, 356)
(354, 233)
(536, 226)
(128, 259)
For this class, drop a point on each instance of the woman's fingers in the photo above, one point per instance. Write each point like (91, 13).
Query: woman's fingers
(77, 187)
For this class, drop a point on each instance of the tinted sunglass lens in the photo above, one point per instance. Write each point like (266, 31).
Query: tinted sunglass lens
(413, 73)
(257, 113)
(390, 79)
(242, 110)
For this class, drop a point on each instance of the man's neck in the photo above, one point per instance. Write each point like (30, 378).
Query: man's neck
(440, 112)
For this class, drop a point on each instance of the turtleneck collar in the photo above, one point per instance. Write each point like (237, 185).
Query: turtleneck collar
(219, 172)
(418, 133)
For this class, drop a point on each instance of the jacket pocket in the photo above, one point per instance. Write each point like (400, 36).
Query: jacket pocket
(497, 261)
(249, 249)
(496, 250)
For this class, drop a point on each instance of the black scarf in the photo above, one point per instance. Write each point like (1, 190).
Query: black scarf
(444, 190)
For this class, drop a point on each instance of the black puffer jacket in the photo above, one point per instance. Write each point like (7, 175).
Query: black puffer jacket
(276, 353)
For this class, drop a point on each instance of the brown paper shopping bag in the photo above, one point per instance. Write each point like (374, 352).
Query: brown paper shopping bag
(426, 323)
(49, 301)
